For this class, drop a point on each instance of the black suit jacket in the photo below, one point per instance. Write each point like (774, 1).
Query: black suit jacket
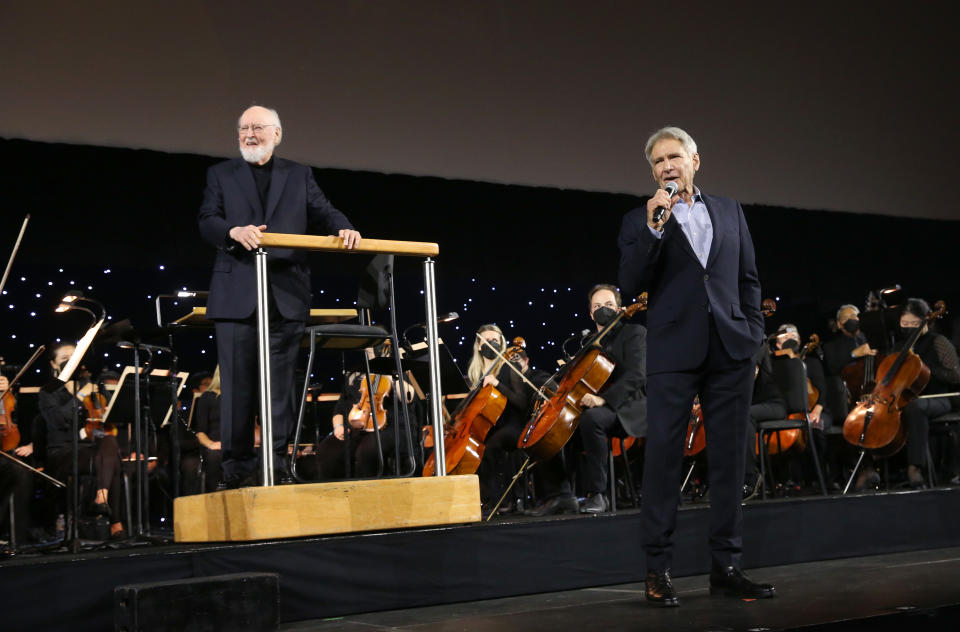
(681, 290)
(295, 204)
(626, 389)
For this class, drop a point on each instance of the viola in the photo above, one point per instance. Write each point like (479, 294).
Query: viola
(471, 422)
(875, 424)
(361, 415)
(95, 404)
(557, 417)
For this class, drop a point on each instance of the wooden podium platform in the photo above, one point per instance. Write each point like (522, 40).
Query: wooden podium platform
(293, 511)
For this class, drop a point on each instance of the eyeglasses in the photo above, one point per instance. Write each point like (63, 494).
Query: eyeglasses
(243, 129)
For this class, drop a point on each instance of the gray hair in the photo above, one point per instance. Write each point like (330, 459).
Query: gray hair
(670, 132)
(856, 310)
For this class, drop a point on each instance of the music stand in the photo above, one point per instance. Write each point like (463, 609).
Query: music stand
(879, 326)
(136, 402)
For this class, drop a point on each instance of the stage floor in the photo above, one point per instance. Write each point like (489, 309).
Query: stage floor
(919, 590)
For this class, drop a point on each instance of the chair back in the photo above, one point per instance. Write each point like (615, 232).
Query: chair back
(376, 285)
(790, 376)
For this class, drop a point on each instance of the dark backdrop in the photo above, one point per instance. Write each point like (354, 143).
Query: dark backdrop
(121, 225)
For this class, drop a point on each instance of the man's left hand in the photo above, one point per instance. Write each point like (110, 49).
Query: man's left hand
(351, 238)
(592, 401)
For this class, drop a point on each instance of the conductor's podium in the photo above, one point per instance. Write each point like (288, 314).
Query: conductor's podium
(293, 511)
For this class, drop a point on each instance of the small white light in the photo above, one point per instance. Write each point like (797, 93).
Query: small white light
(107, 271)
(161, 267)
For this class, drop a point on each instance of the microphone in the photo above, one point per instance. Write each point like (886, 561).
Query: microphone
(671, 189)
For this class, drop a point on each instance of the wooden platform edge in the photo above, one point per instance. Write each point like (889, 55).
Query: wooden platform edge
(292, 511)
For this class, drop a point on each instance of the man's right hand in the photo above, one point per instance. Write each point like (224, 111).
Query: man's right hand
(248, 236)
(660, 198)
(864, 350)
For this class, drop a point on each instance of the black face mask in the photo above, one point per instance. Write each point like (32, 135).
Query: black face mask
(790, 343)
(604, 316)
(489, 353)
(906, 332)
(852, 326)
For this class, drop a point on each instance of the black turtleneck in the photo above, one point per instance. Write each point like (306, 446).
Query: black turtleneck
(261, 175)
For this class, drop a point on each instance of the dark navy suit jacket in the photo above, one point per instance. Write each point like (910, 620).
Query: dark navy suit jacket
(295, 204)
(681, 290)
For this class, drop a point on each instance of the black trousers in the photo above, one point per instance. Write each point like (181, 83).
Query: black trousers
(597, 425)
(102, 458)
(500, 460)
(19, 481)
(240, 380)
(724, 386)
(917, 415)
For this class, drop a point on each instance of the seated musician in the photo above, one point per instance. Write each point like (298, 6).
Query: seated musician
(498, 467)
(360, 439)
(206, 426)
(787, 343)
(848, 347)
(101, 454)
(17, 480)
(767, 405)
(939, 354)
(619, 410)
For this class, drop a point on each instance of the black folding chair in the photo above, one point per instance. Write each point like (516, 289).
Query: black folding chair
(376, 293)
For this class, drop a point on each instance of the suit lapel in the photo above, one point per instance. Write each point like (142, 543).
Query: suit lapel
(717, 231)
(278, 179)
(249, 188)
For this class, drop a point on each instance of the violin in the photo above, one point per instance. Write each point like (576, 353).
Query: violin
(556, 418)
(95, 403)
(696, 439)
(9, 433)
(472, 421)
(361, 415)
(874, 424)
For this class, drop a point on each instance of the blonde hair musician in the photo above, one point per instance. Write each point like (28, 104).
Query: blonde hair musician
(484, 358)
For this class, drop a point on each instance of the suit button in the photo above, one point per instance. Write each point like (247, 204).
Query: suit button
(706, 277)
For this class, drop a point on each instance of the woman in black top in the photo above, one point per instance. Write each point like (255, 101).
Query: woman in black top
(101, 453)
(206, 425)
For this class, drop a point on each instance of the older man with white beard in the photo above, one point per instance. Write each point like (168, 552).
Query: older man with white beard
(244, 197)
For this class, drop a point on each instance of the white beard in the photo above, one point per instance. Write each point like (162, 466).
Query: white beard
(255, 153)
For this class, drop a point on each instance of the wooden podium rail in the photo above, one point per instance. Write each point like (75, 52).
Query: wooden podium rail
(319, 243)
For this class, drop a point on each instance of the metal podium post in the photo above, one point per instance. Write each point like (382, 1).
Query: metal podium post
(430, 292)
(263, 348)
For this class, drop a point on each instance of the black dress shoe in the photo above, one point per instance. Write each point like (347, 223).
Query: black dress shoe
(100, 509)
(660, 590)
(752, 488)
(596, 503)
(553, 506)
(237, 481)
(731, 582)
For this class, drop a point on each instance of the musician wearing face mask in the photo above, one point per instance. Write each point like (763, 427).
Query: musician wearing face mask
(619, 410)
(500, 460)
(787, 343)
(848, 347)
(766, 404)
(939, 354)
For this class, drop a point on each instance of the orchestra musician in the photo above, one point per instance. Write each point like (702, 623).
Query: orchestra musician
(497, 466)
(787, 342)
(696, 260)
(17, 480)
(619, 410)
(845, 349)
(206, 426)
(350, 430)
(99, 453)
(244, 197)
(939, 354)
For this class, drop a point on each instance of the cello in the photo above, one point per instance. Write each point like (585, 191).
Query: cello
(875, 422)
(472, 421)
(556, 418)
